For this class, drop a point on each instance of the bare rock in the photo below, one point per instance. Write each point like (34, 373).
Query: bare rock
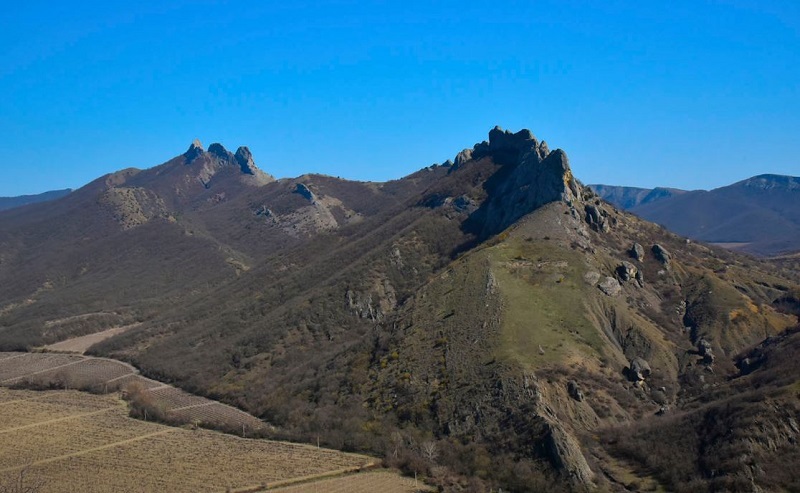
(591, 277)
(245, 160)
(596, 217)
(194, 150)
(638, 370)
(662, 254)
(574, 390)
(626, 271)
(610, 286)
(462, 157)
(302, 190)
(637, 252)
(565, 453)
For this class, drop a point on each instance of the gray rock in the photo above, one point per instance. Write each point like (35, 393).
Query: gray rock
(565, 453)
(574, 391)
(462, 157)
(627, 271)
(194, 150)
(662, 254)
(610, 286)
(640, 278)
(245, 159)
(637, 252)
(591, 277)
(304, 191)
(596, 217)
(638, 370)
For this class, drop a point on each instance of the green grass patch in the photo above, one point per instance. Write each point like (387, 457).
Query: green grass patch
(544, 304)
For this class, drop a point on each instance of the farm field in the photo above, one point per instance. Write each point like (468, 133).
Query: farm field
(364, 482)
(74, 371)
(73, 441)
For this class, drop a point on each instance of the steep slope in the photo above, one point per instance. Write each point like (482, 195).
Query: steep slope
(758, 215)
(12, 202)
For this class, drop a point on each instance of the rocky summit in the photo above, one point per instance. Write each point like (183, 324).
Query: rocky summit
(487, 324)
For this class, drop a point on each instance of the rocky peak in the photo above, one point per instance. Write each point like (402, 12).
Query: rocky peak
(219, 151)
(245, 159)
(533, 176)
(195, 149)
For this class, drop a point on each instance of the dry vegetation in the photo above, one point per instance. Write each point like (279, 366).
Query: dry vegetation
(73, 441)
(149, 398)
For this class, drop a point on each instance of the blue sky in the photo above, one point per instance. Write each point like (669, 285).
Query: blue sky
(693, 94)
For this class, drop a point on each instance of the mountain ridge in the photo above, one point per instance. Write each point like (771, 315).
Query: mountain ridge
(492, 308)
(756, 215)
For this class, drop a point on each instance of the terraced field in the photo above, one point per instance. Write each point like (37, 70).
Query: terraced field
(73, 371)
(75, 441)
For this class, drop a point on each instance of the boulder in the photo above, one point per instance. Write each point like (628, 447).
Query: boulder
(574, 391)
(662, 254)
(627, 271)
(610, 286)
(637, 252)
(638, 370)
(640, 278)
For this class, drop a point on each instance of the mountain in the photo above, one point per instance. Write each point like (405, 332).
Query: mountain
(629, 197)
(11, 202)
(488, 322)
(760, 215)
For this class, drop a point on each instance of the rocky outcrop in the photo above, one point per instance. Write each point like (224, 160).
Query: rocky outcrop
(574, 390)
(596, 217)
(244, 157)
(626, 271)
(462, 157)
(637, 252)
(610, 286)
(302, 190)
(638, 370)
(661, 254)
(195, 149)
(565, 453)
(532, 177)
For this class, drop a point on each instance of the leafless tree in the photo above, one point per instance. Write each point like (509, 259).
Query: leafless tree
(430, 450)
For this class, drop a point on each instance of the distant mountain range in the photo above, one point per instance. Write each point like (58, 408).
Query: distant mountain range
(19, 201)
(759, 215)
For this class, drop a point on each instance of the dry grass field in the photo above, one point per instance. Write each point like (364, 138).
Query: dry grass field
(78, 442)
(82, 343)
(73, 371)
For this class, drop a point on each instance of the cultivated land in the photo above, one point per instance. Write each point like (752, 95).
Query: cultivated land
(71, 371)
(75, 441)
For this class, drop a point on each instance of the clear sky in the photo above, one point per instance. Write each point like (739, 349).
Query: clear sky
(688, 94)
